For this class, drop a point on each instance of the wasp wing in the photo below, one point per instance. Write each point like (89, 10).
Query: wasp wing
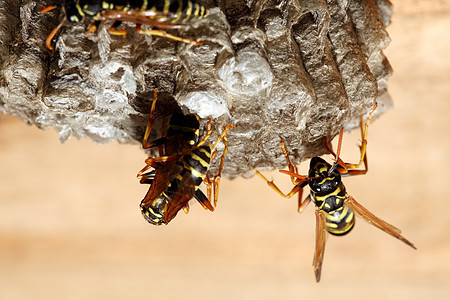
(377, 222)
(161, 179)
(320, 243)
(186, 190)
(167, 20)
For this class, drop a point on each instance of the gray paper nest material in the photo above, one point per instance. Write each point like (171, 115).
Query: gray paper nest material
(278, 70)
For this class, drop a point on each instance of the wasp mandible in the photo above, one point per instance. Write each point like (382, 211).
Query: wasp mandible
(176, 175)
(164, 14)
(335, 209)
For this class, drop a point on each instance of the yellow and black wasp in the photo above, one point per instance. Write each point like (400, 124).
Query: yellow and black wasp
(164, 14)
(335, 209)
(176, 175)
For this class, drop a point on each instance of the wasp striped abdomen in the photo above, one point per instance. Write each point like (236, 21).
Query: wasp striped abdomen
(186, 10)
(341, 221)
(196, 163)
(165, 14)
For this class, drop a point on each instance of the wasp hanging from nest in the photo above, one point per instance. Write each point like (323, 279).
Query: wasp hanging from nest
(182, 165)
(335, 209)
(163, 14)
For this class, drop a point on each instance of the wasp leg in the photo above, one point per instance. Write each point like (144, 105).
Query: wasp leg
(208, 135)
(295, 180)
(302, 205)
(208, 183)
(363, 147)
(163, 33)
(320, 243)
(362, 171)
(205, 138)
(93, 27)
(186, 208)
(155, 162)
(158, 142)
(52, 34)
(216, 181)
(163, 134)
(349, 168)
(296, 189)
(148, 177)
(141, 173)
(151, 121)
(112, 30)
(47, 9)
(218, 176)
(336, 155)
(301, 182)
(292, 168)
(223, 135)
(203, 200)
(48, 41)
(377, 222)
(345, 169)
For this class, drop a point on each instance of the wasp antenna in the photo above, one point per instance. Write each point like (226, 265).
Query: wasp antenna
(338, 152)
(52, 34)
(334, 167)
(303, 178)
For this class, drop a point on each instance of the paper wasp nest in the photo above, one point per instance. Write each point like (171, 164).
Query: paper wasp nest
(292, 70)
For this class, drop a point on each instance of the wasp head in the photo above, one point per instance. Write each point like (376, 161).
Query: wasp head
(154, 212)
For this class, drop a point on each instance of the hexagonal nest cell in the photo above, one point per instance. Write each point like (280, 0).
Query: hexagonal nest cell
(291, 70)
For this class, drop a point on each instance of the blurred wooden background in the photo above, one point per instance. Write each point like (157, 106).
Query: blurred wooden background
(70, 226)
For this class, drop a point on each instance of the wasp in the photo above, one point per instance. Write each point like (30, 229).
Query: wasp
(163, 14)
(176, 175)
(335, 209)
